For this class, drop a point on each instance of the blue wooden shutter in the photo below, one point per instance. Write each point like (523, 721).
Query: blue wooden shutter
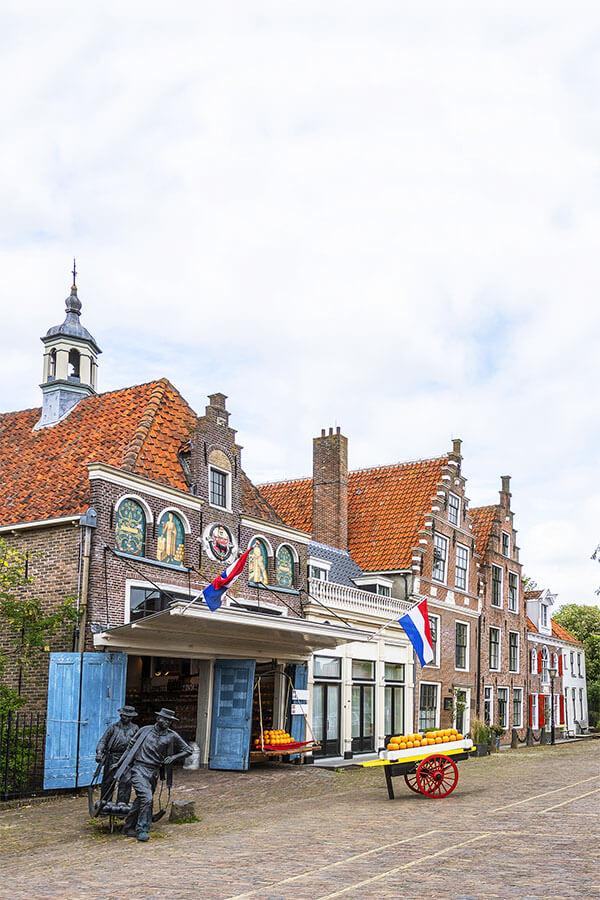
(232, 713)
(77, 721)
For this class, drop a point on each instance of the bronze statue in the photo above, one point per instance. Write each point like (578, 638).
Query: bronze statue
(109, 751)
(152, 747)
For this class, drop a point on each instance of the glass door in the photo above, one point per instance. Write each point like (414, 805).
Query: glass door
(363, 704)
(326, 718)
(393, 700)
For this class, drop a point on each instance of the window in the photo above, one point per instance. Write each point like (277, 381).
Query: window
(284, 568)
(52, 365)
(130, 528)
(440, 555)
(394, 672)
(453, 509)
(461, 646)
(462, 567)
(503, 707)
(382, 589)
(517, 710)
(581, 713)
(513, 651)
(363, 670)
(579, 665)
(544, 615)
(545, 665)
(496, 586)
(219, 488)
(494, 645)
(170, 543)
(318, 573)
(428, 701)
(393, 704)
(513, 592)
(74, 365)
(146, 601)
(505, 544)
(572, 664)
(534, 662)
(433, 627)
(488, 705)
(327, 667)
(533, 714)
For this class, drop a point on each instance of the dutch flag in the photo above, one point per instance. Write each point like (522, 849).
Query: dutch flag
(416, 625)
(213, 594)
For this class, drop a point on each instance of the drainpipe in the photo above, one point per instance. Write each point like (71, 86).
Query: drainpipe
(87, 522)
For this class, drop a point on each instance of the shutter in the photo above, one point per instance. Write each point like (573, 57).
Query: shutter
(542, 710)
(560, 664)
(539, 662)
(562, 710)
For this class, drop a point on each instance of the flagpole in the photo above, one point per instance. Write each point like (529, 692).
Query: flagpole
(391, 621)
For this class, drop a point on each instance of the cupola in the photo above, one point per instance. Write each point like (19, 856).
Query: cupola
(70, 363)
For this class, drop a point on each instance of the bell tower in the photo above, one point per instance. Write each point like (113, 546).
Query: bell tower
(70, 363)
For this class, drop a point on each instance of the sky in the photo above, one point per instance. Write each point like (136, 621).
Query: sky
(377, 215)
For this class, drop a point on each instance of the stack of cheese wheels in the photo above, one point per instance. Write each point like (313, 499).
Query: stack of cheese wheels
(430, 739)
(274, 738)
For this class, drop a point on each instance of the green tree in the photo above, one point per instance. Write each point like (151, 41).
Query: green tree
(25, 626)
(584, 624)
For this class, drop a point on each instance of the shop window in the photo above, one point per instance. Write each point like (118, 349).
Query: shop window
(327, 667)
(284, 568)
(170, 544)
(130, 528)
(428, 704)
(257, 563)
(393, 704)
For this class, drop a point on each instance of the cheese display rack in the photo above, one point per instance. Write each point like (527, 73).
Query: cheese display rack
(277, 742)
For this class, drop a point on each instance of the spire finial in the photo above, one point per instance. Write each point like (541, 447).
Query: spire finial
(74, 288)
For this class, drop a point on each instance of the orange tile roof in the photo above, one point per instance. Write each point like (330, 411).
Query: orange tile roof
(530, 625)
(562, 634)
(483, 520)
(387, 506)
(43, 473)
(254, 504)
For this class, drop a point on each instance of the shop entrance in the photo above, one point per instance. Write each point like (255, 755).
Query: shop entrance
(326, 718)
(154, 682)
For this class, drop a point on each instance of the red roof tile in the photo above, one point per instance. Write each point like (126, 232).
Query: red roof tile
(562, 634)
(483, 520)
(387, 506)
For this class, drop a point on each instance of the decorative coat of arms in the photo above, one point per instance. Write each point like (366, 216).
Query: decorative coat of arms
(219, 542)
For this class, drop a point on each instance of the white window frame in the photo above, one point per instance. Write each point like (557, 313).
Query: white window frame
(440, 537)
(514, 609)
(579, 672)
(534, 662)
(211, 469)
(545, 673)
(466, 570)
(543, 615)
(519, 724)
(467, 655)
(535, 711)
(515, 671)
(490, 700)
(499, 666)
(435, 662)
(438, 685)
(457, 498)
(507, 535)
(501, 604)
(505, 724)
(582, 713)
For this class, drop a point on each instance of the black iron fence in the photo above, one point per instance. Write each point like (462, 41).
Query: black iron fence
(22, 741)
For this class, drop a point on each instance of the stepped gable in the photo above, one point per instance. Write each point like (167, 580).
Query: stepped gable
(254, 504)
(43, 473)
(387, 506)
(482, 518)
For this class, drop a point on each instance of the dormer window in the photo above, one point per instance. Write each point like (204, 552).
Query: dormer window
(544, 615)
(375, 584)
(453, 509)
(318, 568)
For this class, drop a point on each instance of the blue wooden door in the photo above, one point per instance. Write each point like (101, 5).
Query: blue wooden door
(232, 713)
(84, 693)
(298, 727)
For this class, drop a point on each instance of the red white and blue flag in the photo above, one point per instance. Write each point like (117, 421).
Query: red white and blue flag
(213, 594)
(416, 625)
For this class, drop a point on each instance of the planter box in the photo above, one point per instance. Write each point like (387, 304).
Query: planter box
(482, 750)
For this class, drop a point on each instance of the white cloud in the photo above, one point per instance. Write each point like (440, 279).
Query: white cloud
(360, 214)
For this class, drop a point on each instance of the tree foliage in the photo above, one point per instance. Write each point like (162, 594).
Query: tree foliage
(584, 624)
(26, 627)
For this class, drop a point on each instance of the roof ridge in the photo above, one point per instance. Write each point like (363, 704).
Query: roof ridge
(408, 462)
(141, 433)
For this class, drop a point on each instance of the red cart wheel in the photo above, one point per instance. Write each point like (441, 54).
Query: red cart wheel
(411, 781)
(437, 776)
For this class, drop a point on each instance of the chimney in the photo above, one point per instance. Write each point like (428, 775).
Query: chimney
(505, 484)
(330, 489)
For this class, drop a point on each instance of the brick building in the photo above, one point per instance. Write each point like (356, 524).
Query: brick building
(131, 503)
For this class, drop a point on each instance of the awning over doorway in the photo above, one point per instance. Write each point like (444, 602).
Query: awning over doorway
(196, 632)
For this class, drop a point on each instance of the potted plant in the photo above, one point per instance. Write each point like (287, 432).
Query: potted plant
(480, 735)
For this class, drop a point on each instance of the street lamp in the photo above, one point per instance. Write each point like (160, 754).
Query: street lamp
(553, 674)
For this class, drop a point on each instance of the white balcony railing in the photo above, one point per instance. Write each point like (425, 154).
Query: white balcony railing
(339, 596)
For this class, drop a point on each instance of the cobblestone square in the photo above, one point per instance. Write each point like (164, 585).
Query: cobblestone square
(521, 824)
